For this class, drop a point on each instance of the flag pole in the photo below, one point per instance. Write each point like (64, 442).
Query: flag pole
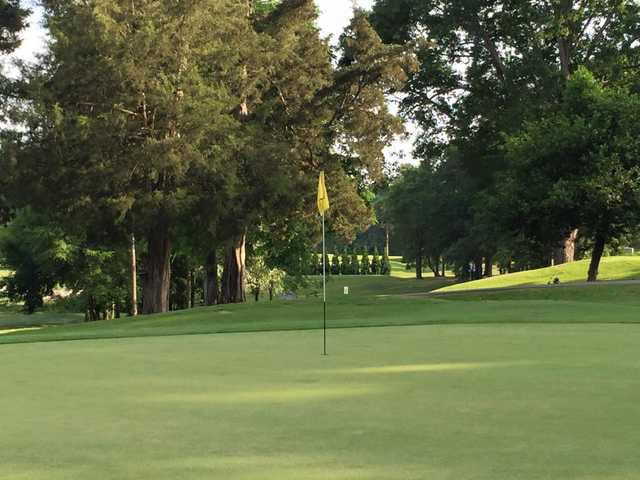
(324, 289)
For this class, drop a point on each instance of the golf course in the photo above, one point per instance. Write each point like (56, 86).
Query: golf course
(319, 240)
(530, 384)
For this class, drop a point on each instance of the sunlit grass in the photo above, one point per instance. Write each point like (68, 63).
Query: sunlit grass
(437, 367)
(612, 268)
(442, 402)
(13, 330)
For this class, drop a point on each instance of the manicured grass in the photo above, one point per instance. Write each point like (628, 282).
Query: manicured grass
(611, 268)
(602, 294)
(373, 301)
(483, 402)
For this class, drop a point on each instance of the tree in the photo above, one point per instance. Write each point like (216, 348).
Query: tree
(327, 264)
(335, 264)
(38, 255)
(261, 278)
(386, 265)
(224, 135)
(345, 262)
(355, 263)
(505, 65)
(12, 22)
(310, 116)
(585, 155)
(138, 139)
(409, 206)
(365, 265)
(375, 262)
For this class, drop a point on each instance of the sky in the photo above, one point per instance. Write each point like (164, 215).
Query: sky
(334, 17)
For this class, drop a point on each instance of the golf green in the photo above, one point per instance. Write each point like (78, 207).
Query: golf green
(529, 401)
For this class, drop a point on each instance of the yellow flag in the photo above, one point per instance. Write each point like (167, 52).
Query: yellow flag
(323, 198)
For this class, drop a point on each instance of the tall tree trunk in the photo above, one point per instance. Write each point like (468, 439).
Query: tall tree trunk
(477, 268)
(434, 265)
(563, 11)
(189, 289)
(234, 273)
(488, 266)
(158, 270)
(419, 263)
(566, 250)
(386, 240)
(133, 268)
(596, 256)
(211, 279)
(192, 291)
(565, 57)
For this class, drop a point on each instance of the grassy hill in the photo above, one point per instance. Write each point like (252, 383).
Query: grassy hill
(372, 302)
(611, 268)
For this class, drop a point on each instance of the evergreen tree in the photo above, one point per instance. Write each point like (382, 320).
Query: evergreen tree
(317, 262)
(375, 262)
(365, 265)
(335, 264)
(385, 267)
(155, 117)
(345, 262)
(355, 263)
(327, 263)
(12, 22)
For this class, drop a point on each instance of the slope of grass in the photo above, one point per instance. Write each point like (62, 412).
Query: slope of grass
(611, 268)
(603, 294)
(373, 301)
(445, 402)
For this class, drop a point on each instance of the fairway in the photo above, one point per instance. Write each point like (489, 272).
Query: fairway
(445, 402)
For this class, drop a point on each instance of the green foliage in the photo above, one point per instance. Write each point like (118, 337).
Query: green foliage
(261, 278)
(345, 262)
(39, 256)
(385, 268)
(354, 264)
(365, 264)
(335, 264)
(579, 164)
(376, 267)
(506, 67)
(101, 279)
(12, 22)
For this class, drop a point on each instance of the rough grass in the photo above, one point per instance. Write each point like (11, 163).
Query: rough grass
(488, 402)
(611, 268)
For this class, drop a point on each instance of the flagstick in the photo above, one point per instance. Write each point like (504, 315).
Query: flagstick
(324, 288)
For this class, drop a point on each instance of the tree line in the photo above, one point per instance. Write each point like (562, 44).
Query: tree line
(357, 262)
(157, 142)
(529, 143)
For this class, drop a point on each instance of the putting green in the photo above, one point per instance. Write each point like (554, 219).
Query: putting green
(438, 402)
